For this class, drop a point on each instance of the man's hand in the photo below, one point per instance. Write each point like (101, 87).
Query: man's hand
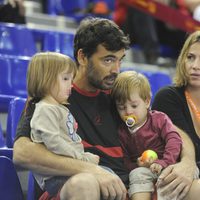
(111, 186)
(176, 180)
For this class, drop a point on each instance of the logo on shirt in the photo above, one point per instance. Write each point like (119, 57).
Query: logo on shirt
(72, 128)
(97, 120)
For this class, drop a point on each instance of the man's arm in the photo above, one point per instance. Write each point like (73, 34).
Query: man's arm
(178, 178)
(38, 159)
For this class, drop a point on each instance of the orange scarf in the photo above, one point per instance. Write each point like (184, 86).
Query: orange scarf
(192, 105)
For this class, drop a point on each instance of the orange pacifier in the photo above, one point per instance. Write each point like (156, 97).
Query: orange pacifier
(130, 120)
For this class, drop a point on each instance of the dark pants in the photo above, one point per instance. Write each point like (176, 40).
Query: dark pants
(141, 28)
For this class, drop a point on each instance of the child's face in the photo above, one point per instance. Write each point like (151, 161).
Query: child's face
(62, 89)
(135, 106)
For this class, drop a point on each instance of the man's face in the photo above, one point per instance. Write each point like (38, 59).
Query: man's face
(103, 68)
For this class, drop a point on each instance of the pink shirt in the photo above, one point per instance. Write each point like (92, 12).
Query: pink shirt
(158, 134)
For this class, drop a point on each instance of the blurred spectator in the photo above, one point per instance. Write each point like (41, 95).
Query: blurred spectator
(169, 35)
(148, 32)
(141, 29)
(13, 11)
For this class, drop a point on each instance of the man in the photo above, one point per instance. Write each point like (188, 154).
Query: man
(99, 47)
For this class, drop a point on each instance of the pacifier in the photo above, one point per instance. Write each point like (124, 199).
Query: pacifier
(130, 120)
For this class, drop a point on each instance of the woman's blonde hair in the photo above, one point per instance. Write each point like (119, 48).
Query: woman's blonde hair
(127, 82)
(181, 76)
(43, 72)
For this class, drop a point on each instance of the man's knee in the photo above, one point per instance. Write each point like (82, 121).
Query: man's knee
(81, 186)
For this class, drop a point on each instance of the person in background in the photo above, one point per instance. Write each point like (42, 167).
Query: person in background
(181, 102)
(149, 129)
(49, 79)
(13, 11)
(130, 20)
(152, 34)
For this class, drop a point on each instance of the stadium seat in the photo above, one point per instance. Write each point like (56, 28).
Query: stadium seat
(2, 139)
(19, 66)
(4, 150)
(54, 7)
(59, 41)
(14, 112)
(75, 9)
(10, 187)
(16, 40)
(34, 191)
(12, 79)
(159, 80)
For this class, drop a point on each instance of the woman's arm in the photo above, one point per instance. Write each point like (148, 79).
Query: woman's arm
(177, 178)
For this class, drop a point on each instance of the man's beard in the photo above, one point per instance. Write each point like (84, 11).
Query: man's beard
(94, 78)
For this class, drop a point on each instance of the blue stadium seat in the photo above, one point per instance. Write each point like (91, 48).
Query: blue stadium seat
(16, 40)
(4, 150)
(31, 187)
(60, 42)
(54, 7)
(2, 139)
(57, 41)
(5, 70)
(72, 7)
(10, 188)
(15, 109)
(12, 79)
(19, 66)
(159, 80)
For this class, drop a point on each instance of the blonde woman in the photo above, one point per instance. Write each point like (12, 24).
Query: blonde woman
(181, 102)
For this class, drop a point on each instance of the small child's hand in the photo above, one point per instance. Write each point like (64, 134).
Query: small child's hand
(96, 159)
(156, 168)
(145, 163)
(93, 158)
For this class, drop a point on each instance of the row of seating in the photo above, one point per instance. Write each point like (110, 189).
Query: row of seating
(15, 53)
(75, 9)
(16, 106)
(10, 188)
(18, 40)
(12, 79)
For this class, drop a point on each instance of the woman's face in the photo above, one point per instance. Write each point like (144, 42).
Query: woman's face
(192, 65)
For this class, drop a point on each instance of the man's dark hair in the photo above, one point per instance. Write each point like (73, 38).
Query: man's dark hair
(95, 31)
